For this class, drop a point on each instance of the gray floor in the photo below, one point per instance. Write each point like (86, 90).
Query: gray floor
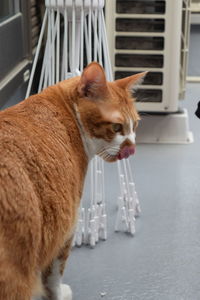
(162, 261)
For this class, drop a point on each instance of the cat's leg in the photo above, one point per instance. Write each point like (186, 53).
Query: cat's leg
(63, 256)
(18, 261)
(16, 281)
(52, 277)
(15, 288)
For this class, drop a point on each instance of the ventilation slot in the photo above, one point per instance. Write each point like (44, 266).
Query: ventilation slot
(140, 7)
(139, 60)
(152, 78)
(140, 25)
(139, 43)
(147, 95)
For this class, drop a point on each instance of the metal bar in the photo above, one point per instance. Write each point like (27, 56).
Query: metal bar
(58, 47)
(36, 55)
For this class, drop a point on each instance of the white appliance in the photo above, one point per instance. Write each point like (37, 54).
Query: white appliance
(153, 35)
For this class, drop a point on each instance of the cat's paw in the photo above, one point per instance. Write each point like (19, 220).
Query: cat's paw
(66, 292)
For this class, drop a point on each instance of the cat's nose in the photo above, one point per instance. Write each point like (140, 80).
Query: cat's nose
(126, 151)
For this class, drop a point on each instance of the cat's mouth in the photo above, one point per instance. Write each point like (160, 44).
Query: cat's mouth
(125, 152)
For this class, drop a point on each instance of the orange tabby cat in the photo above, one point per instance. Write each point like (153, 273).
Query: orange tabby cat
(46, 143)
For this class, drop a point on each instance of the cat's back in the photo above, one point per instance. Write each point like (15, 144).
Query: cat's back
(42, 118)
(33, 141)
(29, 125)
(39, 138)
(42, 167)
(32, 170)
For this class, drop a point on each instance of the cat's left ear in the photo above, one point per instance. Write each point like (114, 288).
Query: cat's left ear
(131, 82)
(93, 82)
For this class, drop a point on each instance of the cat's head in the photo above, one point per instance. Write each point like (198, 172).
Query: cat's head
(107, 114)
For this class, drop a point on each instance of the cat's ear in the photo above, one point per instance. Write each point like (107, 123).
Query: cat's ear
(131, 82)
(93, 82)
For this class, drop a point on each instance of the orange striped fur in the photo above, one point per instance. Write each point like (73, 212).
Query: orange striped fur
(43, 163)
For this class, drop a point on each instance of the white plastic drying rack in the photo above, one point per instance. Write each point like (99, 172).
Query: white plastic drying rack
(74, 33)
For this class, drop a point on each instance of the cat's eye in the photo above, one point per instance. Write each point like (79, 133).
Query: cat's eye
(117, 127)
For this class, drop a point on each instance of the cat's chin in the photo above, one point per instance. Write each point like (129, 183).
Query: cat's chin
(110, 158)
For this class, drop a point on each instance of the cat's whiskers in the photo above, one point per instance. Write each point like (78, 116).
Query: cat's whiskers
(103, 153)
(105, 150)
(108, 156)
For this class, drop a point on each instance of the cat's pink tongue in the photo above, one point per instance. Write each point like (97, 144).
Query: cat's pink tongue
(126, 152)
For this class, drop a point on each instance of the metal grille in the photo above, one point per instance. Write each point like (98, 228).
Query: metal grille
(146, 35)
(36, 8)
